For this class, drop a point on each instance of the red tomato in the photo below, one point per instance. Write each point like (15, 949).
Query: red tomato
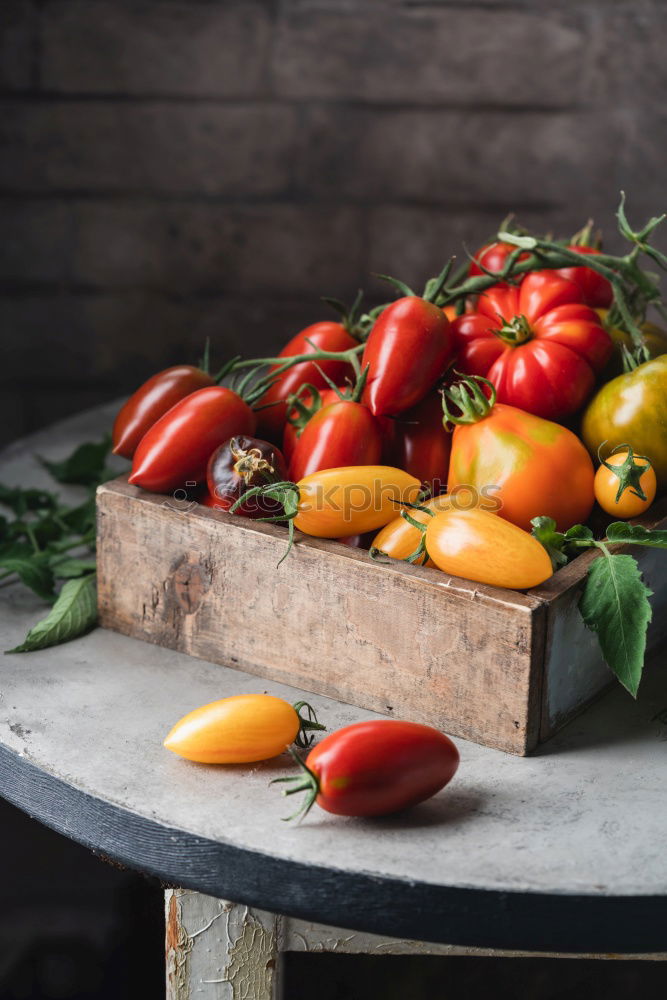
(419, 443)
(409, 347)
(492, 257)
(596, 291)
(176, 449)
(151, 401)
(342, 434)
(326, 337)
(536, 342)
(292, 432)
(377, 767)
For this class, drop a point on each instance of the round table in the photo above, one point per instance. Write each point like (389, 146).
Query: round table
(562, 851)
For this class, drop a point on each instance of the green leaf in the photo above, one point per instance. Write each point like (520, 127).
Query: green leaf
(544, 530)
(33, 571)
(74, 613)
(79, 519)
(578, 532)
(615, 605)
(85, 466)
(21, 501)
(634, 534)
(68, 569)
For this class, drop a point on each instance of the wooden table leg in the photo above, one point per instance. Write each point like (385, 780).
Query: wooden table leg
(216, 950)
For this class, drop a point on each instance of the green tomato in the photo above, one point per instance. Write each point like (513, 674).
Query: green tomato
(632, 409)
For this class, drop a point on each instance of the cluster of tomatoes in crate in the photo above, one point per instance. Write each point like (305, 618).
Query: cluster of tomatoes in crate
(438, 427)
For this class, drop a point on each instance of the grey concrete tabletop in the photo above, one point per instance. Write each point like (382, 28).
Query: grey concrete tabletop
(564, 850)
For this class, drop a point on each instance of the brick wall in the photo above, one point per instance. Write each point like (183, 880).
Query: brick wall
(176, 169)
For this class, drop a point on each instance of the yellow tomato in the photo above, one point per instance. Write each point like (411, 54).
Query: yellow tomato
(237, 730)
(352, 500)
(629, 503)
(480, 546)
(399, 539)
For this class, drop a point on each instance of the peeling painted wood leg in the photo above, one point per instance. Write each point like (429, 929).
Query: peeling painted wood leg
(216, 950)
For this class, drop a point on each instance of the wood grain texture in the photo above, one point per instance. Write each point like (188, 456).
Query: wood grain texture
(401, 640)
(502, 668)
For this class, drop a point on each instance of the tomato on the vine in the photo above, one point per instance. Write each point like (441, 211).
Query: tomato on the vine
(325, 336)
(374, 768)
(536, 342)
(174, 452)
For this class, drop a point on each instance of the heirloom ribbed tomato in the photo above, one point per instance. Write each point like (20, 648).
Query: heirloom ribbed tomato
(343, 433)
(324, 336)
(420, 444)
(151, 401)
(176, 449)
(375, 768)
(537, 343)
(532, 466)
(408, 348)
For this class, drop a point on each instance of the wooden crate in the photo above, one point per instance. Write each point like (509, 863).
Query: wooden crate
(499, 667)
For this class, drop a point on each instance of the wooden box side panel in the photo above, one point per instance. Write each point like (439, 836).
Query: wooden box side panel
(574, 669)
(398, 640)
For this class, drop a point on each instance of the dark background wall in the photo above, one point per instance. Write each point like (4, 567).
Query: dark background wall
(176, 170)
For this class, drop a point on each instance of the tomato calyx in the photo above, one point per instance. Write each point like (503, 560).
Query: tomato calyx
(307, 782)
(307, 724)
(469, 399)
(249, 462)
(432, 289)
(514, 331)
(629, 472)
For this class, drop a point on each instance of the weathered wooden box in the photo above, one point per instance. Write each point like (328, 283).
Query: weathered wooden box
(502, 668)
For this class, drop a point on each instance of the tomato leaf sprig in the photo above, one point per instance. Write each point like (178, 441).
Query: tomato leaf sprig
(615, 601)
(48, 543)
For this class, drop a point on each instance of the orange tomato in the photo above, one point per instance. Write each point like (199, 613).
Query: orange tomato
(480, 546)
(238, 730)
(629, 503)
(537, 466)
(352, 500)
